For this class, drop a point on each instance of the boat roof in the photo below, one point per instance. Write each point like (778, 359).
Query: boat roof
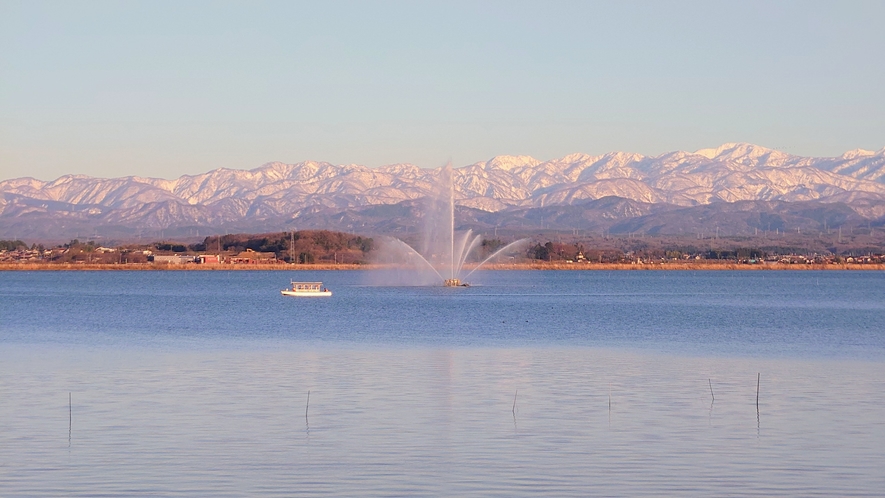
(315, 283)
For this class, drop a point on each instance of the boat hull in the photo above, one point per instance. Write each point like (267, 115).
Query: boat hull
(306, 293)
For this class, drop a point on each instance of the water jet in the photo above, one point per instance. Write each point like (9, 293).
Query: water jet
(445, 251)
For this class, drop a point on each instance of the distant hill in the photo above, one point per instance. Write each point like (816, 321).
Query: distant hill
(737, 188)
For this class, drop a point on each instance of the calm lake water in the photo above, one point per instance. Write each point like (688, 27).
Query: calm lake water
(555, 383)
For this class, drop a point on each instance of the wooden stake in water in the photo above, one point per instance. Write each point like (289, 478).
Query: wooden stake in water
(758, 419)
(758, 379)
(308, 405)
(711, 389)
(514, 402)
(70, 417)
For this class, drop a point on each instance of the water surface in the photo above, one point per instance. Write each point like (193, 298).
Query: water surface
(563, 383)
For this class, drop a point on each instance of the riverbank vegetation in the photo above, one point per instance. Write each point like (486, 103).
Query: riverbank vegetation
(322, 248)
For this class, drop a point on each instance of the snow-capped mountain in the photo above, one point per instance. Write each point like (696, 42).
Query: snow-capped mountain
(278, 195)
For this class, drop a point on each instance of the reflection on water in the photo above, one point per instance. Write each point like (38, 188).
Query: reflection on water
(561, 383)
(419, 421)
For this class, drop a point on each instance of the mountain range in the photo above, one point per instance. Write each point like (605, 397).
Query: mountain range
(737, 188)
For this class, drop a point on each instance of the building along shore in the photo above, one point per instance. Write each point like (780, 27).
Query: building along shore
(537, 265)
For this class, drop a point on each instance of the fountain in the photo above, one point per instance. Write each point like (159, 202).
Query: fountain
(445, 251)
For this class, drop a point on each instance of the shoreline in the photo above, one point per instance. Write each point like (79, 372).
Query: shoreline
(676, 266)
(684, 266)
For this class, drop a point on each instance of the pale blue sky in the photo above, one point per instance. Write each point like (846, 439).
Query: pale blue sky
(168, 88)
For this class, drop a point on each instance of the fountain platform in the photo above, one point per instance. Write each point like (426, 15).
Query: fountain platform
(454, 282)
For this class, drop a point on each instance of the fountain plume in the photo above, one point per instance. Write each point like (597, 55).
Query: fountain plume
(445, 252)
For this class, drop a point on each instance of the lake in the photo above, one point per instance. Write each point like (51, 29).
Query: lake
(572, 383)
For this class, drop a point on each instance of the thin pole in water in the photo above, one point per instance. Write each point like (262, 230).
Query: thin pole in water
(514, 402)
(308, 405)
(758, 379)
(711, 389)
(70, 416)
(758, 419)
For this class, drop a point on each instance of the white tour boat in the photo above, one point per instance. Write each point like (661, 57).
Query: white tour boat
(307, 289)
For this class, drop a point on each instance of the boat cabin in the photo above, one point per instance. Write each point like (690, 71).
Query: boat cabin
(307, 286)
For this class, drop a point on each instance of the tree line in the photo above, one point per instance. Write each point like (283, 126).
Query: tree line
(303, 246)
